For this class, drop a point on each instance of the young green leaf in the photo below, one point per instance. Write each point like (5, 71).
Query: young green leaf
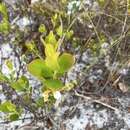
(3, 10)
(69, 34)
(9, 64)
(30, 45)
(42, 29)
(39, 69)
(4, 24)
(21, 84)
(50, 39)
(54, 84)
(59, 31)
(49, 50)
(54, 19)
(66, 61)
(51, 57)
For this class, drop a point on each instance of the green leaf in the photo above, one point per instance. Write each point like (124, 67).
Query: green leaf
(4, 27)
(7, 107)
(21, 84)
(39, 69)
(42, 29)
(54, 20)
(9, 64)
(14, 116)
(26, 98)
(30, 45)
(4, 24)
(54, 84)
(69, 34)
(50, 39)
(3, 78)
(51, 57)
(49, 50)
(70, 85)
(66, 61)
(101, 2)
(59, 31)
(3, 10)
(40, 102)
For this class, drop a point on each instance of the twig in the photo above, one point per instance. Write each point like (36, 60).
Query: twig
(96, 101)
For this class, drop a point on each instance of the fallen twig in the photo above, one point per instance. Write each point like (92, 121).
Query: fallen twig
(96, 101)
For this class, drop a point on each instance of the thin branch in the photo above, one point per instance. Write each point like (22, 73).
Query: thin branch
(96, 101)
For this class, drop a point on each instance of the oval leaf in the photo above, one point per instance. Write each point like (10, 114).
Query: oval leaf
(54, 84)
(39, 69)
(7, 107)
(21, 84)
(14, 116)
(66, 61)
